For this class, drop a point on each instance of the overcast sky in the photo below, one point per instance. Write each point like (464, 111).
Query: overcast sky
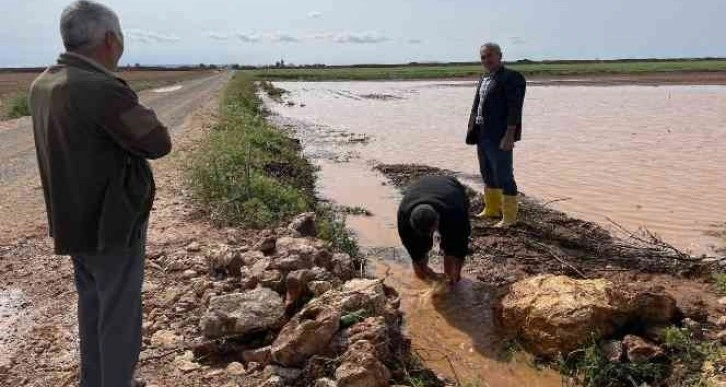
(380, 31)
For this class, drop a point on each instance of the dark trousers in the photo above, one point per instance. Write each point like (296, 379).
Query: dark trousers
(109, 314)
(496, 166)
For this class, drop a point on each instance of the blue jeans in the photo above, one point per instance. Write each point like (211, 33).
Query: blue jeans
(496, 166)
(109, 313)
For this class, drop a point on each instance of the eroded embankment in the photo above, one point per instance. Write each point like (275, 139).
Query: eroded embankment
(641, 310)
(283, 308)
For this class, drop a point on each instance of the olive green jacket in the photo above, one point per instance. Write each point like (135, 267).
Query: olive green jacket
(92, 138)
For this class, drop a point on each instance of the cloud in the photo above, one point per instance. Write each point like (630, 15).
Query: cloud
(314, 14)
(517, 40)
(360, 38)
(249, 37)
(281, 37)
(320, 36)
(217, 36)
(415, 41)
(145, 36)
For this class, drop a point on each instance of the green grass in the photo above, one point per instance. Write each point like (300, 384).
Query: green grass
(17, 106)
(719, 282)
(591, 368)
(273, 92)
(684, 365)
(249, 173)
(331, 228)
(473, 70)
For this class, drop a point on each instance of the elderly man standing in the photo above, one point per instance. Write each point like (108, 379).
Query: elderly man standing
(92, 138)
(495, 124)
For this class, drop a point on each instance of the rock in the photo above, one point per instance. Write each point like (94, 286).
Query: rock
(374, 331)
(292, 262)
(287, 374)
(722, 301)
(721, 322)
(304, 225)
(249, 258)
(650, 306)
(266, 245)
(189, 274)
(307, 249)
(273, 381)
(325, 382)
(694, 327)
(235, 369)
(342, 266)
(272, 279)
(613, 351)
(247, 280)
(639, 350)
(253, 367)
(694, 307)
(226, 260)
(360, 368)
(556, 314)
(165, 339)
(317, 288)
(721, 337)
(193, 247)
(296, 288)
(308, 333)
(185, 362)
(367, 294)
(655, 333)
(259, 355)
(296, 283)
(240, 314)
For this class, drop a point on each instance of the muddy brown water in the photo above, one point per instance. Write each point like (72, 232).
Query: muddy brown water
(642, 156)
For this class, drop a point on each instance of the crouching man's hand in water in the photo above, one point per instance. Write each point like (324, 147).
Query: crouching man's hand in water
(452, 268)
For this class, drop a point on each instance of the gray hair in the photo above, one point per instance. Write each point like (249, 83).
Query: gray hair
(492, 46)
(84, 24)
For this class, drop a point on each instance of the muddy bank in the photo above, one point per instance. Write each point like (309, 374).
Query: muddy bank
(548, 242)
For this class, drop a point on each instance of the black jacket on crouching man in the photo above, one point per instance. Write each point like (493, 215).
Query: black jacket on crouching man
(448, 197)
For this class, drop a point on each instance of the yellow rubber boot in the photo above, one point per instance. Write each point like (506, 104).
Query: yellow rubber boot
(510, 208)
(492, 203)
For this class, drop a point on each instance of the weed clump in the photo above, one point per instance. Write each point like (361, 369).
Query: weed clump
(18, 106)
(591, 368)
(250, 173)
(331, 228)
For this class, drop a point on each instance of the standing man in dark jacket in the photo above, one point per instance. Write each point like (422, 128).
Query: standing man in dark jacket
(430, 205)
(495, 124)
(92, 138)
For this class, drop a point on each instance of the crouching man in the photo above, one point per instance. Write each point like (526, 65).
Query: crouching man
(435, 204)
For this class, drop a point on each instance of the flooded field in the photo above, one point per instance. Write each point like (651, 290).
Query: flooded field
(639, 155)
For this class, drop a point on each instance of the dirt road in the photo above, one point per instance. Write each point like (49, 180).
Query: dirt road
(38, 333)
(21, 206)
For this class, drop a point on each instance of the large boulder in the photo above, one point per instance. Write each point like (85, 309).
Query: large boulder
(557, 314)
(241, 314)
(307, 334)
(360, 368)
